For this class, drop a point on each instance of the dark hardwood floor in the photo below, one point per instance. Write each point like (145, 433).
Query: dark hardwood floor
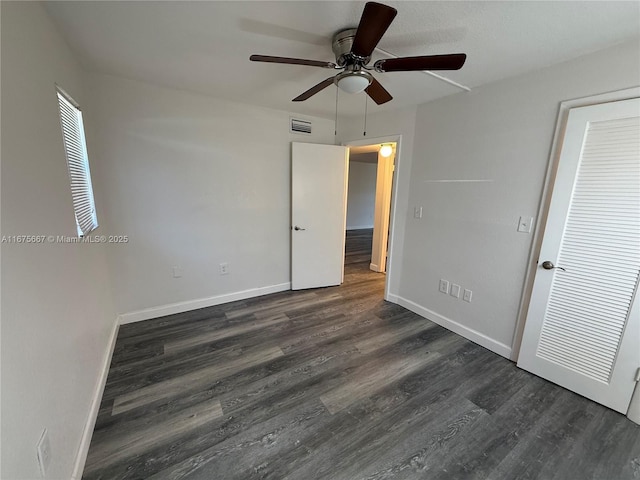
(338, 384)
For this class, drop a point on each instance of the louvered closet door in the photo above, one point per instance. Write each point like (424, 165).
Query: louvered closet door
(583, 324)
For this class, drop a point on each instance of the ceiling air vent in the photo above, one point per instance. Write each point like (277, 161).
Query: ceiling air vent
(300, 126)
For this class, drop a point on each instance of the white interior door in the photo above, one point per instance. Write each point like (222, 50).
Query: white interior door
(583, 325)
(318, 214)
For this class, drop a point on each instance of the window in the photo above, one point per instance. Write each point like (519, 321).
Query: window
(75, 148)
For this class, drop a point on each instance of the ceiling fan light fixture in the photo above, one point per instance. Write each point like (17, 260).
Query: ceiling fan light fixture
(353, 48)
(353, 82)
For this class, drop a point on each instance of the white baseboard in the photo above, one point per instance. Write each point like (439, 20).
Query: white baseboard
(466, 332)
(374, 267)
(81, 457)
(393, 298)
(179, 307)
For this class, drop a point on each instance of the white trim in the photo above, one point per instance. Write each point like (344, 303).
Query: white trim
(374, 267)
(466, 332)
(633, 413)
(87, 433)
(365, 227)
(392, 297)
(393, 215)
(179, 307)
(545, 200)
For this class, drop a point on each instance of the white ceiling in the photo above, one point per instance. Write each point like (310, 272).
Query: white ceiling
(204, 47)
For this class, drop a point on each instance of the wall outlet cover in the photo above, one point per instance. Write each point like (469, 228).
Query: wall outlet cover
(224, 268)
(455, 290)
(444, 286)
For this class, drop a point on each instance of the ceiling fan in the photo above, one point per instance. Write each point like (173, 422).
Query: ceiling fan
(353, 48)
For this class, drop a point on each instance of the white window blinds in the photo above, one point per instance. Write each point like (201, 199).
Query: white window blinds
(78, 162)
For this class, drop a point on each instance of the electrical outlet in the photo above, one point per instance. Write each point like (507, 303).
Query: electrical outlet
(43, 451)
(224, 268)
(455, 290)
(444, 286)
(467, 295)
(177, 272)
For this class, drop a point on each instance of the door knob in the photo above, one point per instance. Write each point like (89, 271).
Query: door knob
(297, 228)
(547, 265)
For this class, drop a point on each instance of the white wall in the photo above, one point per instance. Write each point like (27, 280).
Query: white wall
(57, 314)
(361, 200)
(194, 182)
(497, 140)
(395, 122)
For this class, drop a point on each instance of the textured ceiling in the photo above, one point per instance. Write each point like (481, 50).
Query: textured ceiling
(204, 47)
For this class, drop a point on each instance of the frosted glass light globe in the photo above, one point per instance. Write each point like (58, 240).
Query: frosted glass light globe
(353, 83)
(386, 150)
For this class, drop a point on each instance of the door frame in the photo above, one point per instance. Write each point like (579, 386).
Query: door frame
(545, 200)
(397, 138)
(382, 212)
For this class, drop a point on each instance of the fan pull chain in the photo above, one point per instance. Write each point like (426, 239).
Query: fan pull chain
(366, 102)
(335, 127)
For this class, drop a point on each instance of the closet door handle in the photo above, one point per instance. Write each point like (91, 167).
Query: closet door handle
(548, 265)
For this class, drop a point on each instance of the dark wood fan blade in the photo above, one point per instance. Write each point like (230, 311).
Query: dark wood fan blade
(313, 90)
(291, 61)
(375, 20)
(378, 93)
(454, 61)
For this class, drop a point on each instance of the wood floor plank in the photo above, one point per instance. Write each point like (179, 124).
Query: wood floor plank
(174, 386)
(169, 366)
(410, 454)
(359, 385)
(533, 457)
(337, 384)
(274, 307)
(173, 346)
(491, 439)
(158, 326)
(607, 447)
(138, 438)
(393, 335)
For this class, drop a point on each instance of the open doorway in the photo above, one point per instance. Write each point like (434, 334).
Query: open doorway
(369, 204)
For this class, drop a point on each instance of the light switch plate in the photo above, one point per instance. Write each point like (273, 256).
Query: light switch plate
(455, 290)
(467, 295)
(524, 224)
(417, 212)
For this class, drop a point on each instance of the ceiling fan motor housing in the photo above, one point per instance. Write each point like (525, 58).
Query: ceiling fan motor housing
(342, 42)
